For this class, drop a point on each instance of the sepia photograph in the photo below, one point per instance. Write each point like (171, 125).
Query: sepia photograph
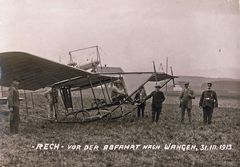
(120, 83)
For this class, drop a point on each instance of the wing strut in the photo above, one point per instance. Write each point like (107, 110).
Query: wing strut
(173, 77)
(94, 95)
(155, 72)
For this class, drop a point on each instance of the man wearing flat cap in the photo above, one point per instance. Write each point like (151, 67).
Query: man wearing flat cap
(207, 102)
(157, 100)
(185, 98)
(13, 105)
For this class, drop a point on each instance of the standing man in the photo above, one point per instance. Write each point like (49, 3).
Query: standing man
(208, 101)
(185, 98)
(13, 104)
(157, 100)
(139, 99)
(52, 97)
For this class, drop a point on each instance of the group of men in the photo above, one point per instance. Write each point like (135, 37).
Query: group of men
(157, 100)
(208, 102)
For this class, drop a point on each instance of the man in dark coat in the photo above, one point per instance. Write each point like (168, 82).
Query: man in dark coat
(139, 99)
(157, 100)
(207, 102)
(13, 105)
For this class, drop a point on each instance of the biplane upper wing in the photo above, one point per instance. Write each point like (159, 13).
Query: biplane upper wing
(35, 72)
(159, 76)
(132, 80)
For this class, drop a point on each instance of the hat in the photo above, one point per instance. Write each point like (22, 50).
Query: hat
(157, 86)
(186, 83)
(209, 83)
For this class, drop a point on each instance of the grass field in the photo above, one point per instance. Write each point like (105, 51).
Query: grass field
(16, 150)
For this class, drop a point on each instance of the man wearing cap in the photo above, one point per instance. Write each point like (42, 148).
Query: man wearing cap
(208, 101)
(185, 98)
(157, 100)
(13, 104)
(139, 99)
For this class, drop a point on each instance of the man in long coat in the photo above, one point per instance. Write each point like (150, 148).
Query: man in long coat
(13, 105)
(185, 98)
(157, 100)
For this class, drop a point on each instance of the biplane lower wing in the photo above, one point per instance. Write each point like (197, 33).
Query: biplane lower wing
(89, 81)
(35, 72)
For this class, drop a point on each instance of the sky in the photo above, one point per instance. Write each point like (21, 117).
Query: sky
(199, 37)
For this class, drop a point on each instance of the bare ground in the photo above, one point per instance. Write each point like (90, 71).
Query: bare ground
(16, 150)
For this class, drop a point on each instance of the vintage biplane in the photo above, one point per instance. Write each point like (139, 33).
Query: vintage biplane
(74, 85)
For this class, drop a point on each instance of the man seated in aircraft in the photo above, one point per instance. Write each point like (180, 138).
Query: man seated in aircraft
(118, 93)
(52, 97)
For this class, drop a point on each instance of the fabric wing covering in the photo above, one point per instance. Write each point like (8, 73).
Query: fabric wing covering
(85, 82)
(134, 81)
(35, 72)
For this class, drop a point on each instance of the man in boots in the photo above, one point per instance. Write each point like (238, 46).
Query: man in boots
(207, 102)
(157, 100)
(185, 98)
